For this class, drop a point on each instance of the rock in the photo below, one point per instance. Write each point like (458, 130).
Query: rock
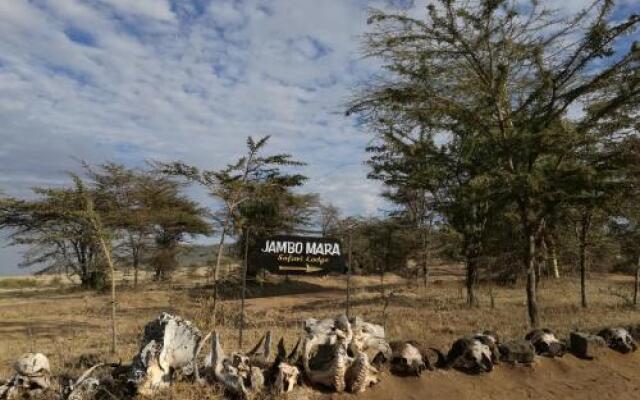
(432, 357)
(517, 351)
(586, 346)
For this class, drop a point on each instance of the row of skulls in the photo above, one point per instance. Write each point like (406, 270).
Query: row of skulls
(330, 352)
(340, 353)
(479, 352)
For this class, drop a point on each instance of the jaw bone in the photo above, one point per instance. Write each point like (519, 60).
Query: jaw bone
(283, 374)
(236, 372)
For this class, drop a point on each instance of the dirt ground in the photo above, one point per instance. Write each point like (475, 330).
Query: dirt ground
(615, 377)
(65, 323)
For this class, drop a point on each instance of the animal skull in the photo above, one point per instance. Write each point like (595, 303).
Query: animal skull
(283, 374)
(489, 339)
(335, 352)
(235, 372)
(406, 359)
(32, 377)
(286, 378)
(470, 355)
(170, 344)
(546, 343)
(85, 387)
(618, 339)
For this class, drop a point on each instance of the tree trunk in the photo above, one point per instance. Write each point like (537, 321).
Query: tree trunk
(216, 270)
(107, 256)
(425, 251)
(636, 287)
(538, 260)
(136, 264)
(472, 278)
(551, 246)
(584, 230)
(382, 271)
(532, 303)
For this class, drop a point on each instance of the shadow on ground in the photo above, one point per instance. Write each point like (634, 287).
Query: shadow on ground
(229, 290)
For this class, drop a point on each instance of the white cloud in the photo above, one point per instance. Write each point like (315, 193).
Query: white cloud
(157, 9)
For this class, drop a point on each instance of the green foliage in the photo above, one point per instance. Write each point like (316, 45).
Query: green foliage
(474, 111)
(254, 191)
(55, 228)
(130, 209)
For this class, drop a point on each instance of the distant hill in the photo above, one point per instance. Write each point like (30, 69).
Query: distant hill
(198, 254)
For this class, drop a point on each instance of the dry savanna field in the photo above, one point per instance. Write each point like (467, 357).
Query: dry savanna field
(66, 323)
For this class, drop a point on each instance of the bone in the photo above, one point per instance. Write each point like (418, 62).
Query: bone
(283, 374)
(546, 343)
(261, 353)
(169, 345)
(490, 339)
(406, 358)
(361, 374)
(32, 377)
(86, 389)
(470, 355)
(618, 339)
(242, 375)
(325, 356)
(333, 353)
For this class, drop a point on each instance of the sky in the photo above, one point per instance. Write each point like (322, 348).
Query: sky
(134, 80)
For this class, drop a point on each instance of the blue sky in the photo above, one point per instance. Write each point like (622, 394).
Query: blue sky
(129, 80)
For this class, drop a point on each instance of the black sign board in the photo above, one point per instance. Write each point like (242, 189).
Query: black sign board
(297, 254)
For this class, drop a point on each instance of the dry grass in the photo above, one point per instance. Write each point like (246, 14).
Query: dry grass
(65, 322)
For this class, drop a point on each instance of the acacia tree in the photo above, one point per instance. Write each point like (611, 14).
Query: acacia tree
(593, 204)
(100, 235)
(57, 237)
(132, 206)
(146, 212)
(235, 184)
(174, 217)
(501, 77)
(626, 229)
(449, 180)
(411, 183)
